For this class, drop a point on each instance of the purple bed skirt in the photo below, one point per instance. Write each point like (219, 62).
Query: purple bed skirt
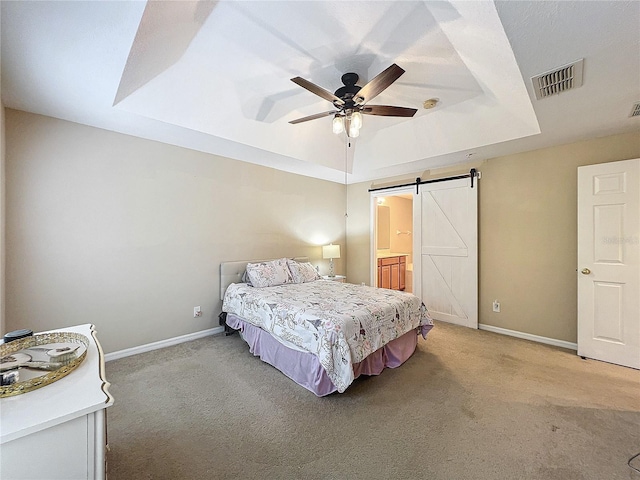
(304, 367)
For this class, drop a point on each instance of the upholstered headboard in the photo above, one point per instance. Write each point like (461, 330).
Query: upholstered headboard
(231, 272)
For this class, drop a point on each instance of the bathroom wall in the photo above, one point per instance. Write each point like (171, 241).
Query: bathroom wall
(401, 218)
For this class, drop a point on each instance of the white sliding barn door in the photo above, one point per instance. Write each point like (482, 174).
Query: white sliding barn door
(448, 246)
(609, 262)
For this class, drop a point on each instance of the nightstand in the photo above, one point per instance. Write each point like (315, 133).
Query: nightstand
(337, 278)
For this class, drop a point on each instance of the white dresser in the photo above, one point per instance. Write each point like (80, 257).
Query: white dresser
(59, 431)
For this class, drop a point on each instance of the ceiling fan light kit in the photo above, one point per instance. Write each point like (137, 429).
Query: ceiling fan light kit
(351, 99)
(338, 124)
(353, 131)
(351, 122)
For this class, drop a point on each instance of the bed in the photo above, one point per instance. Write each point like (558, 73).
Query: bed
(320, 333)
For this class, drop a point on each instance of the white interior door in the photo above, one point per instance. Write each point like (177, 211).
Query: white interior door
(448, 246)
(609, 262)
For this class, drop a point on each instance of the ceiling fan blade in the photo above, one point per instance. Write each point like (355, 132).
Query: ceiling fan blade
(313, 117)
(378, 84)
(389, 111)
(321, 92)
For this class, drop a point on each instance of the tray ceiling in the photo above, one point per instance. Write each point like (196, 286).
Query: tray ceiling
(215, 76)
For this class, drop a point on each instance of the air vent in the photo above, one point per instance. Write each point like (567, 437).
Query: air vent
(635, 111)
(558, 80)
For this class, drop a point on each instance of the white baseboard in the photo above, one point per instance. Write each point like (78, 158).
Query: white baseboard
(529, 336)
(127, 352)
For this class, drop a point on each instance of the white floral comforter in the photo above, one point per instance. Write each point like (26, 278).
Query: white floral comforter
(341, 323)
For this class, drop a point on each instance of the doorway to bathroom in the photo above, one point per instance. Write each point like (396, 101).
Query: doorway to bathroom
(441, 258)
(393, 240)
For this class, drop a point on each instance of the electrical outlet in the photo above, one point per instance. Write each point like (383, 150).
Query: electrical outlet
(197, 312)
(496, 306)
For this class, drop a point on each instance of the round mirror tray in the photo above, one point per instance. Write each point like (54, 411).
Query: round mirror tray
(36, 361)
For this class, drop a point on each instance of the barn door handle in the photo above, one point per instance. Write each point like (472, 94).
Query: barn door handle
(585, 271)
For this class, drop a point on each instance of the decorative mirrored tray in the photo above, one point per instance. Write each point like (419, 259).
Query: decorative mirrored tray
(36, 361)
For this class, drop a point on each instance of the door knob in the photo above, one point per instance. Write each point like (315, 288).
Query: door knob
(586, 271)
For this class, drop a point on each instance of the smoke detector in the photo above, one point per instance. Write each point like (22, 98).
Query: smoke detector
(428, 104)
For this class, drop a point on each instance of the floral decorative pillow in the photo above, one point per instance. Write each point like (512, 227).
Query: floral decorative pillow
(302, 272)
(269, 274)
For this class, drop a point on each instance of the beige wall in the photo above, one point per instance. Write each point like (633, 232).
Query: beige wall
(527, 234)
(2, 221)
(401, 219)
(359, 230)
(2, 214)
(128, 234)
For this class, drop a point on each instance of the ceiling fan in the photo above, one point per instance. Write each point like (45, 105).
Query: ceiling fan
(351, 100)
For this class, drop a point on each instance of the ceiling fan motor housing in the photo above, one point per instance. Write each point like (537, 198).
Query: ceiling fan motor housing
(349, 91)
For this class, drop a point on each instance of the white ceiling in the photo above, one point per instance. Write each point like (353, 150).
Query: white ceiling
(215, 76)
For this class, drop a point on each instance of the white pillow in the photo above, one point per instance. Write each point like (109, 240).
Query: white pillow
(302, 272)
(269, 274)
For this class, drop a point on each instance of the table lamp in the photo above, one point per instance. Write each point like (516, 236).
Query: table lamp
(331, 251)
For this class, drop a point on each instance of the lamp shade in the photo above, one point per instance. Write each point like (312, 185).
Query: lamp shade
(331, 251)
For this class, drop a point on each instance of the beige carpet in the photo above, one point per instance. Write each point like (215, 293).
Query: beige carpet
(468, 405)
